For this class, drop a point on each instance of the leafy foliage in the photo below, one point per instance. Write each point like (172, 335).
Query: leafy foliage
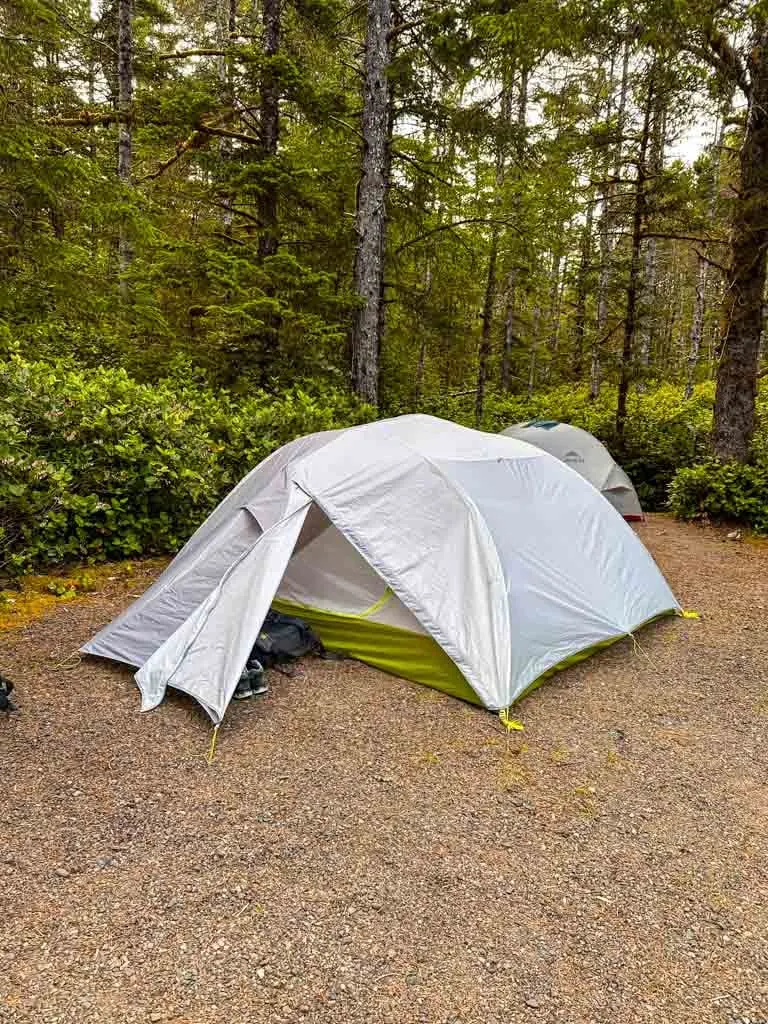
(98, 466)
(729, 491)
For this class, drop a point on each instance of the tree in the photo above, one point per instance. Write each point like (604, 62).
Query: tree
(745, 287)
(371, 217)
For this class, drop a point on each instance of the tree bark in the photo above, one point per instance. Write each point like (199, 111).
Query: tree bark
(227, 28)
(697, 325)
(555, 302)
(633, 285)
(743, 302)
(269, 116)
(582, 289)
(607, 219)
(489, 301)
(125, 135)
(532, 362)
(371, 216)
(512, 277)
(646, 324)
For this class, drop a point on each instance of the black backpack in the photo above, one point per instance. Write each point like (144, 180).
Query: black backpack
(283, 639)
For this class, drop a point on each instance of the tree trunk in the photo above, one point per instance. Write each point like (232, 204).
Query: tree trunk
(743, 301)
(269, 127)
(702, 278)
(582, 289)
(607, 219)
(227, 27)
(633, 285)
(697, 326)
(125, 134)
(532, 363)
(371, 216)
(555, 301)
(647, 323)
(484, 353)
(509, 315)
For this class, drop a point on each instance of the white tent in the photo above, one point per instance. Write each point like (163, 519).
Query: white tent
(469, 561)
(583, 452)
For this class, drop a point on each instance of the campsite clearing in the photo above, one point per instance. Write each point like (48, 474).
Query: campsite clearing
(367, 850)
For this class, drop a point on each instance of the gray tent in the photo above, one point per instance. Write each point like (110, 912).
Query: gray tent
(589, 457)
(466, 561)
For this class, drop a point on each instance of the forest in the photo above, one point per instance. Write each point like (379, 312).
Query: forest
(226, 222)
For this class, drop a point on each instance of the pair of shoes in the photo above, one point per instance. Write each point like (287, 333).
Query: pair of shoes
(252, 682)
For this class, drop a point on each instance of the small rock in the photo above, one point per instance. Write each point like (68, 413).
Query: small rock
(156, 1016)
(260, 972)
(734, 535)
(62, 872)
(532, 1002)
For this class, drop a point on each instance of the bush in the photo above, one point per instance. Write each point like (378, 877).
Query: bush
(663, 431)
(96, 466)
(722, 491)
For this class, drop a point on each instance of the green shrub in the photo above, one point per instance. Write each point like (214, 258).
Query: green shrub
(722, 491)
(663, 431)
(96, 466)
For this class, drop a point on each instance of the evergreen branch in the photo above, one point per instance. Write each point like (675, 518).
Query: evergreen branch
(712, 263)
(88, 119)
(224, 133)
(347, 125)
(449, 227)
(721, 55)
(399, 29)
(193, 141)
(182, 54)
(683, 238)
(419, 166)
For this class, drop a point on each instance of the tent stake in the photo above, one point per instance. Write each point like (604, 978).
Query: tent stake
(212, 748)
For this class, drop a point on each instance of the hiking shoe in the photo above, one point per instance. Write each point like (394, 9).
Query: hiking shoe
(252, 682)
(244, 688)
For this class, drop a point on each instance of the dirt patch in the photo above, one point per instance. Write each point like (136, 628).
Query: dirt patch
(365, 850)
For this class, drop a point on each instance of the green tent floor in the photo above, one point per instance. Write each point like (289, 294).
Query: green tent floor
(413, 656)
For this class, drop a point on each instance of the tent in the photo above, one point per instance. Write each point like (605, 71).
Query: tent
(471, 562)
(588, 456)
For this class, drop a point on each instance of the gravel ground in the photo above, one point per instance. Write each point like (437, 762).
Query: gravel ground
(363, 849)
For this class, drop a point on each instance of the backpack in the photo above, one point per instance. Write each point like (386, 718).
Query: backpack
(282, 639)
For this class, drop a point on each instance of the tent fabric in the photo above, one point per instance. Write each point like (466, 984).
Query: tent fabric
(455, 547)
(583, 452)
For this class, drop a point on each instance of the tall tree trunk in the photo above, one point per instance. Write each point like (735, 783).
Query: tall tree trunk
(227, 28)
(269, 127)
(512, 278)
(607, 223)
(646, 324)
(532, 362)
(555, 301)
(633, 285)
(697, 325)
(743, 302)
(371, 218)
(125, 135)
(702, 277)
(582, 290)
(489, 301)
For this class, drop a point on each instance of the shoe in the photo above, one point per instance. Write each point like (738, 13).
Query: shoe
(244, 688)
(252, 682)
(257, 677)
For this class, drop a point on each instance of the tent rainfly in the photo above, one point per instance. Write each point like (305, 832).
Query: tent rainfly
(583, 452)
(471, 562)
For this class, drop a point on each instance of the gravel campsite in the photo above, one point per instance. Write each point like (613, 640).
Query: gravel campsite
(365, 849)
